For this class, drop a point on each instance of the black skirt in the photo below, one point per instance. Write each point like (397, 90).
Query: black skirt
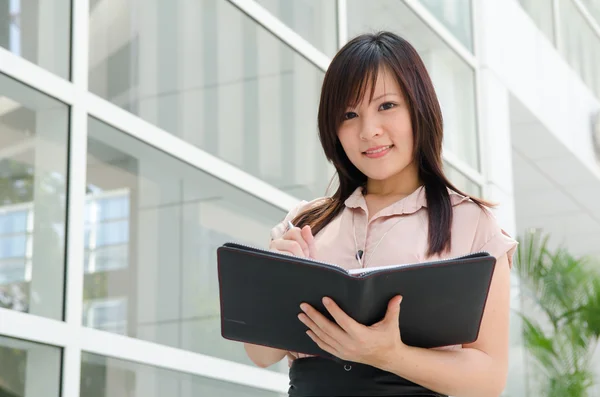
(315, 376)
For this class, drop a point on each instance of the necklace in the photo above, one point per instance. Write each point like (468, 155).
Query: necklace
(359, 254)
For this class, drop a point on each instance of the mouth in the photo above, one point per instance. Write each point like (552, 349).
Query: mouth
(378, 151)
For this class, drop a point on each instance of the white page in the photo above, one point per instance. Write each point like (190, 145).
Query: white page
(371, 269)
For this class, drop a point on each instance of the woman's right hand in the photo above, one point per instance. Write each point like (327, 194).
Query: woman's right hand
(296, 241)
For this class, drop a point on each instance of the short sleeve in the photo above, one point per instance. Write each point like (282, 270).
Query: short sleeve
(491, 238)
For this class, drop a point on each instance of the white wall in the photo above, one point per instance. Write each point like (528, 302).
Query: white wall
(513, 49)
(520, 69)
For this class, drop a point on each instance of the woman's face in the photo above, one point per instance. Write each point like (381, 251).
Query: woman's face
(377, 136)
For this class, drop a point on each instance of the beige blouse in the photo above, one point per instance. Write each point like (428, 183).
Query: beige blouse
(398, 234)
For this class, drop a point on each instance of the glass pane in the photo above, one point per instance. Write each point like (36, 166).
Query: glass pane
(29, 369)
(454, 80)
(461, 181)
(207, 73)
(593, 7)
(33, 168)
(157, 278)
(38, 31)
(542, 15)
(110, 377)
(580, 45)
(456, 16)
(314, 20)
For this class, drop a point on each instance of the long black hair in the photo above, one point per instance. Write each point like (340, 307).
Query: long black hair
(351, 71)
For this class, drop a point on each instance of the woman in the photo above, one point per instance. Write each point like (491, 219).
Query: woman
(380, 124)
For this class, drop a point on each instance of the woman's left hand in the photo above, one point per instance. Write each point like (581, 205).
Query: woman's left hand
(349, 340)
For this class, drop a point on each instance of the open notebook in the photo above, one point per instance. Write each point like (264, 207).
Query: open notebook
(261, 292)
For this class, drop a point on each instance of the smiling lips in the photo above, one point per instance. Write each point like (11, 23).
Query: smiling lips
(378, 151)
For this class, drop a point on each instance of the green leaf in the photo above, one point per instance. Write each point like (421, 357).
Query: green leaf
(564, 327)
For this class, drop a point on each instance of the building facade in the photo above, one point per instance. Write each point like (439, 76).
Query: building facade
(137, 136)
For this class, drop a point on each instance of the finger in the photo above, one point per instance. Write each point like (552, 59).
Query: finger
(323, 323)
(346, 322)
(324, 336)
(310, 241)
(393, 312)
(290, 246)
(329, 349)
(295, 234)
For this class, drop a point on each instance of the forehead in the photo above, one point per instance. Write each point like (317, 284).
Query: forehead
(376, 85)
(386, 82)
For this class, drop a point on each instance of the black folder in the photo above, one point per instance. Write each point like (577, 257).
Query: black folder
(261, 292)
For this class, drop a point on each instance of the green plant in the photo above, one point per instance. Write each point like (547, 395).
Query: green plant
(561, 322)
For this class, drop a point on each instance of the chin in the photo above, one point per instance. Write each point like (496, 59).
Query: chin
(383, 173)
(379, 175)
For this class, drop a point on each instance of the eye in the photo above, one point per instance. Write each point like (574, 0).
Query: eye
(387, 105)
(350, 115)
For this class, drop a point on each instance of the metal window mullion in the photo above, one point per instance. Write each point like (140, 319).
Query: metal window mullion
(146, 132)
(182, 361)
(77, 166)
(591, 21)
(282, 32)
(36, 77)
(479, 111)
(464, 168)
(557, 25)
(186, 152)
(445, 34)
(342, 22)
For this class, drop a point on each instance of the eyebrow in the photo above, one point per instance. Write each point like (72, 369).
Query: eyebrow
(386, 94)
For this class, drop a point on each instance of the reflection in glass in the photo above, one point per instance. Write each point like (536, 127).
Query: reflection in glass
(456, 16)
(38, 31)
(461, 181)
(29, 369)
(542, 15)
(314, 20)
(207, 73)
(580, 45)
(454, 80)
(153, 224)
(33, 166)
(110, 377)
(593, 7)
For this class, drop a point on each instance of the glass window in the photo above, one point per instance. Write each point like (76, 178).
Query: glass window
(593, 7)
(580, 45)
(456, 16)
(207, 73)
(542, 15)
(314, 20)
(38, 31)
(33, 168)
(453, 78)
(29, 369)
(107, 377)
(153, 274)
(461, 181)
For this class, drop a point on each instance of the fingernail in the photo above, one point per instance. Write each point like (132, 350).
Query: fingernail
(303, 307)
(326, 301)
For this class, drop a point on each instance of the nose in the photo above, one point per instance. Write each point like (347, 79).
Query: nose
(370, 129)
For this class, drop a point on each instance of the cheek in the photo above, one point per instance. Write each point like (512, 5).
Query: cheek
(403, 134)
(347, 140)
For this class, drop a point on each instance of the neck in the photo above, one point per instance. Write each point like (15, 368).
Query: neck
(401, 184)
